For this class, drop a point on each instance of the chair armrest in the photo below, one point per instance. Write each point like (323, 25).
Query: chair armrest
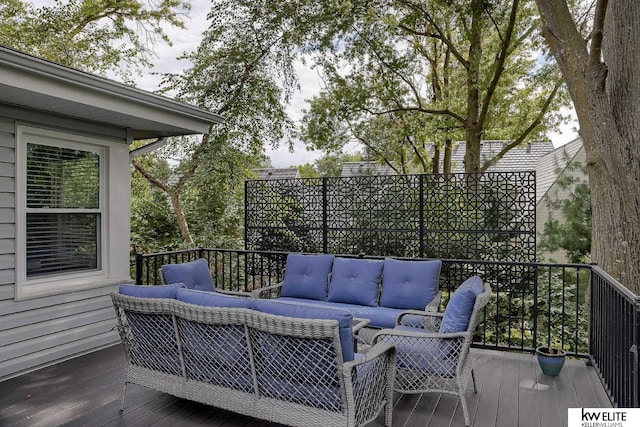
(420, 334)
(427, 320)
(268, 292)
(369, 381)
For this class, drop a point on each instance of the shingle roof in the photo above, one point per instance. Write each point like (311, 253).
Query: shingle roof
(277, 173)
(517, 159)
(550, 166)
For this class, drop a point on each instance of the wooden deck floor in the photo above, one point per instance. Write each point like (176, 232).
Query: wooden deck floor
(85, 391)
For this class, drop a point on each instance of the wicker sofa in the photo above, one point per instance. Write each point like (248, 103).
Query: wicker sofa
(378, 290)
(272, 360)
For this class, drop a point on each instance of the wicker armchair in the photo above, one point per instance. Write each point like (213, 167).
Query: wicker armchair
(432, 355)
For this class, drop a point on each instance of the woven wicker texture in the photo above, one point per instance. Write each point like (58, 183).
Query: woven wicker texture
(429, 361)
(271, 367)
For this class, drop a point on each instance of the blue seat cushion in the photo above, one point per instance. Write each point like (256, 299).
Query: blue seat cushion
(212, 299)
(422, 354)
(307, 276)
(409, 284)
(355, 281)
(458, 312)
(381, 317)
(194, 274)
(307, 311)
(158, 291)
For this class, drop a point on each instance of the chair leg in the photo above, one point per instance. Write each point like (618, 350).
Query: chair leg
(124, 392)
(465, 410)
(473, 378)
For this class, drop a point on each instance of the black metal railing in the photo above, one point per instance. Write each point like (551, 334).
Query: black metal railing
(534, 304)
(614, 337)
(236, 270)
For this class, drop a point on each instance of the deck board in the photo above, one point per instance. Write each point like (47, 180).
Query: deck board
(512, 391)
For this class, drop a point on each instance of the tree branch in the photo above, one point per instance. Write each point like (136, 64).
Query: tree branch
(597, 33)
(527, 131)
(499, 67)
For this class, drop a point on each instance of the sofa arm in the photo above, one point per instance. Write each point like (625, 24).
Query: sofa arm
(268, 292)
(369, 381)
(434, 305)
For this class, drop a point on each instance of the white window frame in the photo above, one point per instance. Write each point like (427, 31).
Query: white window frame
(40, 286)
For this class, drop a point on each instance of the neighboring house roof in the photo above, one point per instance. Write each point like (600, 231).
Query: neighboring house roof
(522, 158)
(365, 168)
(517, 159)
(277, 173)
(550, 166)
(37, 84)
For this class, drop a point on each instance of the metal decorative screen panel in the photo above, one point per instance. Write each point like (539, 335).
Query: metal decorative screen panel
(488, 216)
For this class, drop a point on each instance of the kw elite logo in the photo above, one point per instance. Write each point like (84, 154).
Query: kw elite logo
(600, 417)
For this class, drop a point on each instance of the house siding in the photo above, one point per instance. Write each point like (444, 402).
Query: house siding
(41, 331)
(565, 162)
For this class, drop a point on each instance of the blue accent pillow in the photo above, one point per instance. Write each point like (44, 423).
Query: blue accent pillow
(355, 281)
(158, 291)
(458, 312)
(212, 299)
(307, 276)
(344, 318)
(194, 274)
(409, 284)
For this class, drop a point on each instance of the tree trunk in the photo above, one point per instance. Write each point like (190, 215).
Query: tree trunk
(472, 127)
(182, 221)
(607, 101)
(446, 166)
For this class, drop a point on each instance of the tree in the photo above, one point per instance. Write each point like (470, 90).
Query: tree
(243, 70)
(572, 232)
(92, 35)
(601, 70)
(406, 74)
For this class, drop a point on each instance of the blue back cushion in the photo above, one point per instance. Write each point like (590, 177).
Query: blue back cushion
(212, 299)
(344, 318)
(307, 276)
(458, 312)
(194, 274)
(355, 281)
(163, 291)
(409, 284)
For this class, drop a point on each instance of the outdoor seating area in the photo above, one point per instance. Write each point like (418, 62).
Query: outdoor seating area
(296, 359)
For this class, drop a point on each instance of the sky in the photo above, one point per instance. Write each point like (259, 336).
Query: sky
(188, 39)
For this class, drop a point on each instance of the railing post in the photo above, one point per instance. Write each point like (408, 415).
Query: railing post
(421, 214)
(138, 269)
(535, 307)
(636, 359)
(325, 217)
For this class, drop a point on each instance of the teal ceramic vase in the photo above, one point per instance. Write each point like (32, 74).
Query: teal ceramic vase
(551, 360)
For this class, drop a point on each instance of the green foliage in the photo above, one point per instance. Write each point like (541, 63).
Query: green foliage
(570, 229)
(330, 164)
(93, 35)
(402, 76)
(536, 306)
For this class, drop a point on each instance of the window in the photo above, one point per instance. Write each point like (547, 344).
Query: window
(62, 209)
(72, 212)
